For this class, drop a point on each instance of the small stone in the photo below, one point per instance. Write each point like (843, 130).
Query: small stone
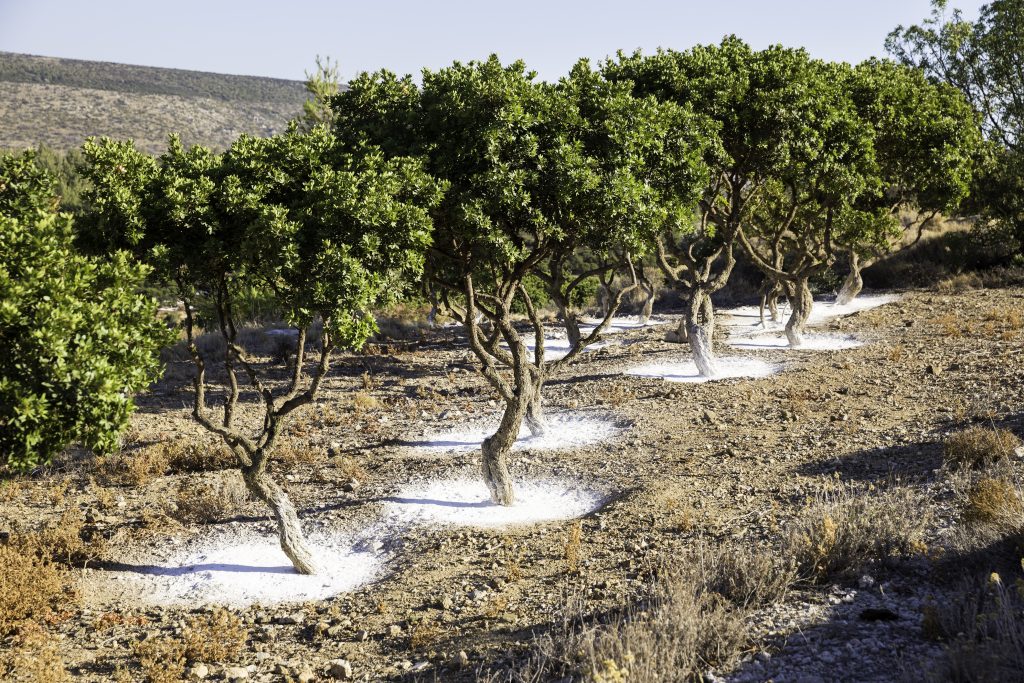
(335, 631)
(934, 369)
(291, 619)
(419, 666)
(394, 630)
(462, 659)
(477, 595)
(340, 670)
(710, 417)
(350, 486)
(446, 603)
(866, 581)
(334, 450)
(199, 672)
(236, 673)
(305, 676)
(362, 635)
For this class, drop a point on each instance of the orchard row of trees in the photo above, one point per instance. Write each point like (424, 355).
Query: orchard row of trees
(482, 182)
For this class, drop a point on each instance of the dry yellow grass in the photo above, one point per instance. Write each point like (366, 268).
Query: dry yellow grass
(977, 447)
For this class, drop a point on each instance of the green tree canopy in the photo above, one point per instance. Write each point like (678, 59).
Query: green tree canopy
(79, 340)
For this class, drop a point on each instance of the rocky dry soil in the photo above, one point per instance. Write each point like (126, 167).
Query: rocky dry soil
(691, 464)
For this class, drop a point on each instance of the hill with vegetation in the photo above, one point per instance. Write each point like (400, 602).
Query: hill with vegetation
(59, 102)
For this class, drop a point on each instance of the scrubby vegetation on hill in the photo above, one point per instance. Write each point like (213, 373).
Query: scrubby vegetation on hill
(60, 102)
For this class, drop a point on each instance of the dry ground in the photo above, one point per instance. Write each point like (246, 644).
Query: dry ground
(699, 465)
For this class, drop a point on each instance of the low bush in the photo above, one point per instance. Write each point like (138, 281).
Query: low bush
(31, 588)
(845, 530)
(994, 501)
(33, 657)
(209, 499)
(978, 447)
(983, 628)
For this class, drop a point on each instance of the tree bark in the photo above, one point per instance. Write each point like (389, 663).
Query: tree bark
(853, 282)
(293, 543)
(495, 448)
(802, 303)
(535, 420)
(699, 318)
(649, 295)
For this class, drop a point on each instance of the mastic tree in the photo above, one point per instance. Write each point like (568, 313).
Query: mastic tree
(982, 59)
(752, 98)
(885, 140)
(792, 230)
(538, 174)
(330, 233)
(79, 339)
(926, 141)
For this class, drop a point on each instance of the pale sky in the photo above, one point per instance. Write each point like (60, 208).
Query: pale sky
(282, 39)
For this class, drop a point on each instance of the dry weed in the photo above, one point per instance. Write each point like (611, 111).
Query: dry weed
(979, 447)
(31, 588)
(33, 657)
(844, 530)
(209, 499)
(161, 659)
(364, 402)
(747, 577)
(983, 627)
(215, 637)
(994, 502)
(679, 631)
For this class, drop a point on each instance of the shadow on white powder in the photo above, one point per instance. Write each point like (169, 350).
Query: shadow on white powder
(466, 501)
(823, 311)
(811, 342)
(241, 569)
(686, 370)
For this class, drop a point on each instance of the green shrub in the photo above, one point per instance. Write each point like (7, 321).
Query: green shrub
(78, 340)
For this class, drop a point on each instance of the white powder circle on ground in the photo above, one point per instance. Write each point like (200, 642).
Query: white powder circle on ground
(811, 342)
(564, 431)
(238, 570)
(822, 311)
(686, 370)
(623, 324)
(466, 501)
(556, 348)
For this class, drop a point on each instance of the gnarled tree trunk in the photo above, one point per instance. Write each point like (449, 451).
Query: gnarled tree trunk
(802, 303)
(293, 543)
(495, 448)
(535, 420)
(853, 282)
(699, 318)
(647, 287)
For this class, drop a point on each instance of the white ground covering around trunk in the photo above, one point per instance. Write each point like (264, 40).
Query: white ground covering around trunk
(466, 501)
(557, 347)
(686, 370)
(625, 324)
(564, 431)
(238, 569)
(811, 342)
(823, 311)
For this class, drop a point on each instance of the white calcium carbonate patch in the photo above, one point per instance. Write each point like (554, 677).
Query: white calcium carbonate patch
(466, 501)
(235, 569)
(811, 342)
(823, 311)
(686, 370)
(564, 431)
(623, 324)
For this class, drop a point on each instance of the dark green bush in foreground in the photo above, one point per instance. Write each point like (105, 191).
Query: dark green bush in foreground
(76, 338)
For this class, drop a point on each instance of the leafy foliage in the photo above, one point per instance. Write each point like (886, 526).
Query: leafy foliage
(78, 339)
(982, 60)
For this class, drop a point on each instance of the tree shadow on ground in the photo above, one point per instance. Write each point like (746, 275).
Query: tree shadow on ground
(913, 461)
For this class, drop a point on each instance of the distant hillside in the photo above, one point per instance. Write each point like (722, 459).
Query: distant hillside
(60, 102)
